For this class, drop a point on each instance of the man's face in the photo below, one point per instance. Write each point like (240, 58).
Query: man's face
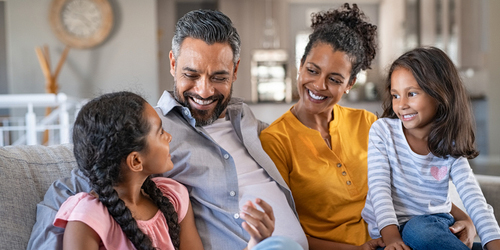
(203, 75)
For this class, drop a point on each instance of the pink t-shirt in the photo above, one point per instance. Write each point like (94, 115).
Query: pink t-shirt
(89, 210)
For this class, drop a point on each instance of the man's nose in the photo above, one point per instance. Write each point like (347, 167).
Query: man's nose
(204, 87)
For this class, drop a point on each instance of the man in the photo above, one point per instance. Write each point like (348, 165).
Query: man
(215, 149)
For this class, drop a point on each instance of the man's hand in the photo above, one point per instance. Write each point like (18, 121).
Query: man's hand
(258, 224)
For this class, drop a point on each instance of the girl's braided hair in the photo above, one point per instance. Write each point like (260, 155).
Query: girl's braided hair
(107, 129)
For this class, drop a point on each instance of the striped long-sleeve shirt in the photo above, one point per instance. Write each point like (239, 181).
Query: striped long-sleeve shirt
(403, 184)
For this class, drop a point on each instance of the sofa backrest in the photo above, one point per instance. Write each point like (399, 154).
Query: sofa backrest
(490, 186)
(26, 172)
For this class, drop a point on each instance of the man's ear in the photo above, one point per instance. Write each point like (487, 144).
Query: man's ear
(172, 63)
(236, 70)
(134, 162)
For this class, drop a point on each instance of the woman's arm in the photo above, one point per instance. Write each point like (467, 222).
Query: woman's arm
(79, 235)
(463, 227)
(190, 239)
(319, 244)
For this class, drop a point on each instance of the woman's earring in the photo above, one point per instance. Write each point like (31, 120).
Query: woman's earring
(347, 91)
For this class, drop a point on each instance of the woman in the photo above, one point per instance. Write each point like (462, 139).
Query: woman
(319, 147)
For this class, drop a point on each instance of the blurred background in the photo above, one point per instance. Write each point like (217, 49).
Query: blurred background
(133, 55)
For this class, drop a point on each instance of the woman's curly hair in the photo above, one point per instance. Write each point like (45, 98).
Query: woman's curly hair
(346, 29)
(107, 129)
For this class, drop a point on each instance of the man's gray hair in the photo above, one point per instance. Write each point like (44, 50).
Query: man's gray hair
(211, 26)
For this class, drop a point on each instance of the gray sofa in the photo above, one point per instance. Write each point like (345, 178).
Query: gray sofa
(26, 172)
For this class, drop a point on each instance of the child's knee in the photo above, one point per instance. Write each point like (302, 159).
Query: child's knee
(423, 232)
(429, 225)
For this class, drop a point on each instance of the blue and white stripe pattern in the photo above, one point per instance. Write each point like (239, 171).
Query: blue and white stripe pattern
(403, 184)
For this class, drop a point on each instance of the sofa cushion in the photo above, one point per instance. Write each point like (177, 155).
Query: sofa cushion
(26, 172)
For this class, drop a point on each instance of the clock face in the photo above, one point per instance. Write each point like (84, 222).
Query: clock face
(81, 18)
(81, 23)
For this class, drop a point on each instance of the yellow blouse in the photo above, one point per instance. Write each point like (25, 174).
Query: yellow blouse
(329, 186)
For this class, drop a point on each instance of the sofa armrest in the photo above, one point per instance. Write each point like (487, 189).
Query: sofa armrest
(26, 172)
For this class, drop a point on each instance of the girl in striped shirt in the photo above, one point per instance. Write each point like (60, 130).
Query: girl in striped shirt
(422, 142)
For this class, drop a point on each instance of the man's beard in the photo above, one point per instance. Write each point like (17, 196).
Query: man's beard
(203, 117)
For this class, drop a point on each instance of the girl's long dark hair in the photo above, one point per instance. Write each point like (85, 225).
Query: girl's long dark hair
(345, 29)
(107, 129)
(452, 133)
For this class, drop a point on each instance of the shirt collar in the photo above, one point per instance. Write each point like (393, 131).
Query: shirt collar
(167, 102)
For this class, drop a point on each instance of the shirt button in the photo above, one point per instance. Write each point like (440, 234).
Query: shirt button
(348, 182)
(226, 156)
(186, 112)
(236, 216)
(232, 193)
(344, 173)
(339, 165)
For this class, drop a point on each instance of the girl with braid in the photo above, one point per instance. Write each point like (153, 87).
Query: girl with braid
(118, 144)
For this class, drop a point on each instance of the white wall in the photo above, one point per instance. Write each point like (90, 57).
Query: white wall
(248, 16)
(126, 61)
(166, 28)
(493, 88)
(391, 32)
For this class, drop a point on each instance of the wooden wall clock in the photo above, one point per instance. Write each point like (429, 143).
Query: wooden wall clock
(81, 23)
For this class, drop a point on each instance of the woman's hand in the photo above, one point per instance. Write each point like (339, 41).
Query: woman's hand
(260, 225)
(372, 244)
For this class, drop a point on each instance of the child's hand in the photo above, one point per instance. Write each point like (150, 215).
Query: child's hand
(258, 224)
(372, 244)
(465, 231)
(398, 245)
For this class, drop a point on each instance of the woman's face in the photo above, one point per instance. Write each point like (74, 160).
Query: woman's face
(323, 78)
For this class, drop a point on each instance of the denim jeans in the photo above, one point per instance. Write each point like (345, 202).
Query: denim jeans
(429, 232)
(278, 243)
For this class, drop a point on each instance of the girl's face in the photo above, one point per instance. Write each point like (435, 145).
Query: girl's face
(156, 159)
(323, 78)
(413, 106)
